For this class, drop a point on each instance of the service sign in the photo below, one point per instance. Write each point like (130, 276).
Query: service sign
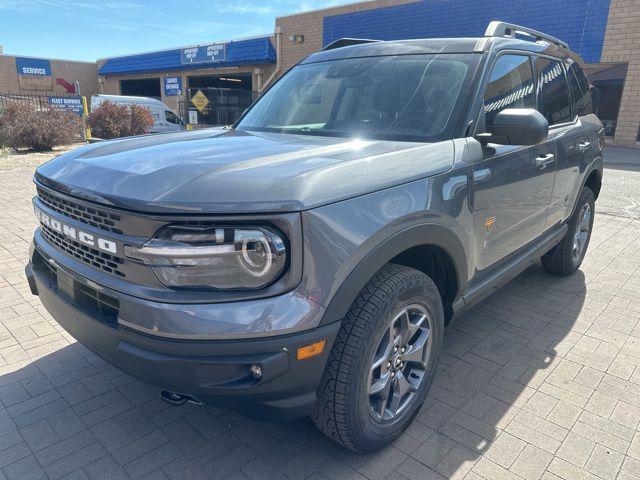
(172, 86)
(216, 52)
(72, 104)
(34, 73)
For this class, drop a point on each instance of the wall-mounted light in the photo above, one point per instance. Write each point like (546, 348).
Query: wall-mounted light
(296, 38)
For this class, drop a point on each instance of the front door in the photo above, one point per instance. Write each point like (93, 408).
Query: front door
(512, 184)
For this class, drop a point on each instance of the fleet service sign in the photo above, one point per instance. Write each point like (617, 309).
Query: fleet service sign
(216, 52)
(72, 104)
(172, 86)
(34, 73)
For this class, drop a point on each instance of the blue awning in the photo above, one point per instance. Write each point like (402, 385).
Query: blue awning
(243, 52)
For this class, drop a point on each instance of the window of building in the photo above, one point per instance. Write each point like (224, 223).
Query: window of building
(510, 86)
(554, 95)
(143, 87)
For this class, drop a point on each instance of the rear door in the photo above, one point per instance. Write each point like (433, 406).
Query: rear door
(565, 101)
(512, 183)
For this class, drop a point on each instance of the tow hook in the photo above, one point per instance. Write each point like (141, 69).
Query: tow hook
(177, 399)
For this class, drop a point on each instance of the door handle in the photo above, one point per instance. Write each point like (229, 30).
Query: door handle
(543, 160)
(582, 146)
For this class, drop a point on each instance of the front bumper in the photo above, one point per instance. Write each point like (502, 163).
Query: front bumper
(213, 371)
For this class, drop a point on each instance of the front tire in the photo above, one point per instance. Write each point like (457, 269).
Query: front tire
(383, 360)
(566, 257)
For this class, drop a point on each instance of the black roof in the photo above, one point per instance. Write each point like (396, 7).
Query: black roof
(438, 45)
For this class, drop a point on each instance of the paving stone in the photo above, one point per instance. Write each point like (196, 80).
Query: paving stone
(505, 449)
(531, 463)
(433, 450)
(604, 462)
(39, 435)
(576, 449)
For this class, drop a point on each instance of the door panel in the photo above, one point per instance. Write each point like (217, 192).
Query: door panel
(512, 184)
(512, 191)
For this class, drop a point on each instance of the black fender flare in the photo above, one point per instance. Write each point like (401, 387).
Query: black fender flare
(378, 256)
(596, 166)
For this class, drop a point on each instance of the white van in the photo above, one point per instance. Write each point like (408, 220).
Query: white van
(164, 119)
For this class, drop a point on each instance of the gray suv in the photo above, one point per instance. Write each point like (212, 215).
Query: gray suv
(306, 260)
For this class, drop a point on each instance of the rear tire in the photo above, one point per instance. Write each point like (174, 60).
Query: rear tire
(383, 360)
(566, 257)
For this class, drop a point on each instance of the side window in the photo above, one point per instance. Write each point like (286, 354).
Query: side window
(171, 117)
(510, 86)
(584, 106)
(554, 95)
(576, 94)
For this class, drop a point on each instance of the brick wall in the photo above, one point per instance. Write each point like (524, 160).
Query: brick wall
(83, 72)
(622, 44)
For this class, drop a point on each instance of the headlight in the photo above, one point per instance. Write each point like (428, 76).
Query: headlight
(224, 258)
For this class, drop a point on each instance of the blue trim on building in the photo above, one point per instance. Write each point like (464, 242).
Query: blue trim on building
(243, 52)
(581, 23)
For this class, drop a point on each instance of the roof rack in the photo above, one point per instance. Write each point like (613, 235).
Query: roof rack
(347, 42)
(504, 29)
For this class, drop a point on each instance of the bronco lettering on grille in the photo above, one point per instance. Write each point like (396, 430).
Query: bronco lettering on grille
(75, 234)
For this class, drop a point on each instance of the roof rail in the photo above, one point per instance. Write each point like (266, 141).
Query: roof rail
(347, 42)
(504, 29)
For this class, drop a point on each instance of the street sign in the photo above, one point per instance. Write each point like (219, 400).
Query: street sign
(172, 86)
(200, 101)
(71, 104)
(193, 117)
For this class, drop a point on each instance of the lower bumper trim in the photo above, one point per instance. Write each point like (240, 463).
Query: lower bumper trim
(216, 372)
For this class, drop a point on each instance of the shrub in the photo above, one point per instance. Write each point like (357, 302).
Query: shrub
(111, 120)
(27, 125)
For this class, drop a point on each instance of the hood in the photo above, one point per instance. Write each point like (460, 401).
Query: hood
(227, 171)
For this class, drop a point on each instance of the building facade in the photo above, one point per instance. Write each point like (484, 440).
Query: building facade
(213, 84)
(225, 77)
(44, 76)
(606, 33)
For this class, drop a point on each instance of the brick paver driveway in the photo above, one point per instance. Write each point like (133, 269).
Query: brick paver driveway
(542, 380)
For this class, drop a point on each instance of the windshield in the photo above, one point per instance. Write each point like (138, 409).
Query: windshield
(402, 97)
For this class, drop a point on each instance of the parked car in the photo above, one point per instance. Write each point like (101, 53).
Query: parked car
(164, 119)
(307, 260)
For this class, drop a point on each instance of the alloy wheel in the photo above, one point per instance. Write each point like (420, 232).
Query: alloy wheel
(400, 363)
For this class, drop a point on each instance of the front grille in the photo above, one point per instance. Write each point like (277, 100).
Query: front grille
(86, 254)
(93, 216)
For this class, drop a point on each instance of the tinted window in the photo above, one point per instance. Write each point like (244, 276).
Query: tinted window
(554, 96)
(510, 86)
(172, 117)
(582, 92)
(410, 97)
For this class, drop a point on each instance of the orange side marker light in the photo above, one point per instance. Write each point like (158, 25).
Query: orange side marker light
(312, 350)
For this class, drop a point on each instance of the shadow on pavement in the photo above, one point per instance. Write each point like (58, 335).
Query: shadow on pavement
(70, 410)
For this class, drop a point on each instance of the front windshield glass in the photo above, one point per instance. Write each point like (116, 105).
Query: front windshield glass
(402, 97)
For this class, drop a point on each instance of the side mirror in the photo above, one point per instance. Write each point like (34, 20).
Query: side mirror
(517, 126)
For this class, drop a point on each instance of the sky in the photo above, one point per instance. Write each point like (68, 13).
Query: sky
(90, 29)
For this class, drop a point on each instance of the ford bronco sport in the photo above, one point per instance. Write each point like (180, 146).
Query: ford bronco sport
(306, 260)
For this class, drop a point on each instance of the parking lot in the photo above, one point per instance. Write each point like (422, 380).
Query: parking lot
(542, 380)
